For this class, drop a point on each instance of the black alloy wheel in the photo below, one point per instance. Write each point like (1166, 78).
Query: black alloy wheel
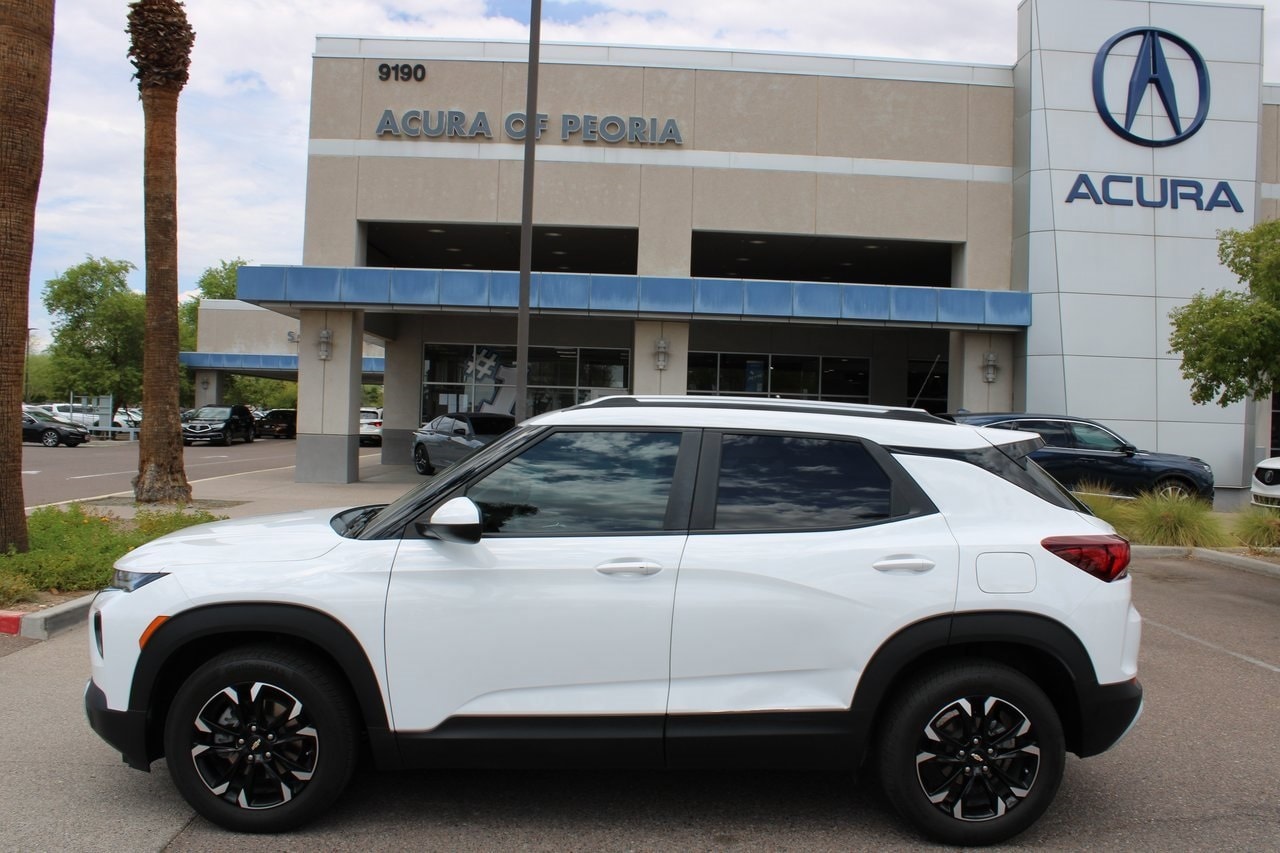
(421, 461)
(261, 739)
(971, 753)
(49, 438)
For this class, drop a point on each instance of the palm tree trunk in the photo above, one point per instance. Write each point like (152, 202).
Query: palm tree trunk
(161, 476)
(26, 51)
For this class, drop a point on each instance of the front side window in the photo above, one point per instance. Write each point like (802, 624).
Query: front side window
(770, 482)
(582, 483)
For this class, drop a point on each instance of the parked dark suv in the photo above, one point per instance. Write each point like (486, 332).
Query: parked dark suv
(218, 425)
(279, 423)
(1080, 452)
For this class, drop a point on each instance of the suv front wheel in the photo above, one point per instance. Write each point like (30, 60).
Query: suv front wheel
(260, 739)
(971, 753)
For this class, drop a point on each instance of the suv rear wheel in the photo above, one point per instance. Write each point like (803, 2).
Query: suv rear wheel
(260, 739)
(971, 753)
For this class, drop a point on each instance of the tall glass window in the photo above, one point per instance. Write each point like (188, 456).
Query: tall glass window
(482, 378)
(805, 377)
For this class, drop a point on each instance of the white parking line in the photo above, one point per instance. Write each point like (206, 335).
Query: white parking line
(1213, 646)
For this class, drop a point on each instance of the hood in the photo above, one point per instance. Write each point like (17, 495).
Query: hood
(282, 538)
(1173, 458)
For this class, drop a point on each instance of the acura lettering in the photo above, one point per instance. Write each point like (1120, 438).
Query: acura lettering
(1143, 191)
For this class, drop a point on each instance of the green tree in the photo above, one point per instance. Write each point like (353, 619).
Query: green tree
(160, 40)
(1230, 341)
(26, 61)
(98, 325)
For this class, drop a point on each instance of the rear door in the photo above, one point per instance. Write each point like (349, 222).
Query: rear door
(804, 555)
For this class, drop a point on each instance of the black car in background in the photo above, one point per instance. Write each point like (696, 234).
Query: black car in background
(448, 438)
(278, 423)
(1080, 452)
(37, 426)
(218, 425)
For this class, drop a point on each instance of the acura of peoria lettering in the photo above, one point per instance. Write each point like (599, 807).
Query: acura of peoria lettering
(434, 124)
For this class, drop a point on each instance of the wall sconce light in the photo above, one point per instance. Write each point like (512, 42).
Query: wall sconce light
(989, 367)
(326, 338)
(660, 348)
(204, 384)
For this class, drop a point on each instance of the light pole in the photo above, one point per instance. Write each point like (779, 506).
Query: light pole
(526, 211)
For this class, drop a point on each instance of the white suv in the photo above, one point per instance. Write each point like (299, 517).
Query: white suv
(644, 582)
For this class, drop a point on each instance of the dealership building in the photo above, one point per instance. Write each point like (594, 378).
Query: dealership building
(897, 232)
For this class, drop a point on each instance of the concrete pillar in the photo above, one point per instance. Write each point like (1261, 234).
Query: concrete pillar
(646, 376)
(330, 346)
(402, 390)
(209, 384)
(982, 372)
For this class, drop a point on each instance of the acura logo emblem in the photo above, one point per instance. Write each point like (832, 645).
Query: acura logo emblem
(1151, 77)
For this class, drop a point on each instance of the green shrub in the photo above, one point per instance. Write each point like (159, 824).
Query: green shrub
(1154, 519)
(73, 549)
(1258, 527)
(1105, 503)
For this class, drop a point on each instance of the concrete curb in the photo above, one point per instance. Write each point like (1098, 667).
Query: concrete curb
(43, 624)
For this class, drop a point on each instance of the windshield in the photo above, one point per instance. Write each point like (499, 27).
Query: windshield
(213, 412)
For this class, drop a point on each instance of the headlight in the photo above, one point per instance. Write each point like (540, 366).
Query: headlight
(129, 581)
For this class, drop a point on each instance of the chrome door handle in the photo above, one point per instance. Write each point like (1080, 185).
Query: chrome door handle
(629, 569)
(904, 565)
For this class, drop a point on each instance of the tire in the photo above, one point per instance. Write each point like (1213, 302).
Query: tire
(224, 732)
(49, 438)
(421, 461)
(248, 439)
(971, 753)
(226, 439)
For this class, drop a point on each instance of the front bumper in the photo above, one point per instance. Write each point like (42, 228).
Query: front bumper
(124, 730)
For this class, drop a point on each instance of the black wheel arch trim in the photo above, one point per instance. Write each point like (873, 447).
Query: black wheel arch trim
(248, 623)
(1093, 716)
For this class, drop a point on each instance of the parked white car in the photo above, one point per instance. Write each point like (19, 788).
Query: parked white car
(1265, 487)
(854, 583)
(76, 413)
(371, 426)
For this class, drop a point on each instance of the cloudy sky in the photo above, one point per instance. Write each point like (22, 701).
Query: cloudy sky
(242, 137)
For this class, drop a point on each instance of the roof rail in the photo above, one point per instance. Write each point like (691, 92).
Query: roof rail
(764, 404)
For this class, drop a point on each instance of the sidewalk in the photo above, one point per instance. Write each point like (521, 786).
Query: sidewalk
(274, 490)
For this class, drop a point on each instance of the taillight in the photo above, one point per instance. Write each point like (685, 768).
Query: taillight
(1105, 557)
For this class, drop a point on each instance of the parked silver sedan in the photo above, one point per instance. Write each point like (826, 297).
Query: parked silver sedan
(448, 438)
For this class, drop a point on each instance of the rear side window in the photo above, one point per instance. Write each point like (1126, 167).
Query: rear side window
(770, 482)
(1054, 433)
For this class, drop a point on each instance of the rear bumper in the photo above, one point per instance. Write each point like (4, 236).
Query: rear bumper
(124, 730)
(1107, 713)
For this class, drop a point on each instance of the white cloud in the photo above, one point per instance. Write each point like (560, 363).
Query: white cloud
(244, 113)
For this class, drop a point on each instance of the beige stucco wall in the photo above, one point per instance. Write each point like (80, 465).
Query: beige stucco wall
(782, 119)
